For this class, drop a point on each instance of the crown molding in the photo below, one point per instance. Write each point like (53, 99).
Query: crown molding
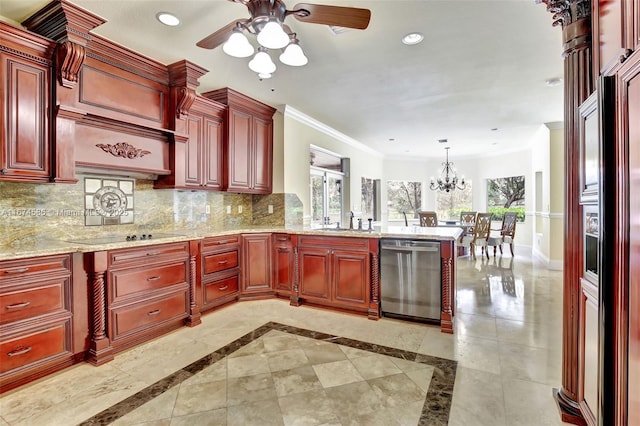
(303, 118)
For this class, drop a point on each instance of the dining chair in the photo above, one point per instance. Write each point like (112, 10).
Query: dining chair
(480, 236)
(467, 221)
(428, 219)
(505, 234)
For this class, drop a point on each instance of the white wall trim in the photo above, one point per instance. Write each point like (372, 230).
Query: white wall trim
(549, 215)
(303, 118)
(554, 265)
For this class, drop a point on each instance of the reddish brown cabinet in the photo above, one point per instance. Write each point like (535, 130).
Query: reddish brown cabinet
(335, 271)
(283, 264)
(256, 265)
(36, 312)
(249, 142)
(25, 62)
(219, 278)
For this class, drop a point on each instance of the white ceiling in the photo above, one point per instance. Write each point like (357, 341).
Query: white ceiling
(483, 65)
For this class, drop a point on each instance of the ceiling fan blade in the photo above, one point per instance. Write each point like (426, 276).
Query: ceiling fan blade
(216, 39)
(349, 17)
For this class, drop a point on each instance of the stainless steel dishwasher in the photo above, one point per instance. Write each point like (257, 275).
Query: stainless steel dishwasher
(410, 279)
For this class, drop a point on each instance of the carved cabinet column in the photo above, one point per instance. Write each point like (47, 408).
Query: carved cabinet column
(575, 18)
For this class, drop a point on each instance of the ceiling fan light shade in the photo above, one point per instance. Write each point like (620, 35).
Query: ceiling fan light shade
(273, 36)
(262, 63)
(293, 56)
(238, 46)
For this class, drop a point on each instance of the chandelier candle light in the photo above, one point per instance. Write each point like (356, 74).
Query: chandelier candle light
(448, 180)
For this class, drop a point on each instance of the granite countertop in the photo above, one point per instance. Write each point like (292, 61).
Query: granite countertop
(43, 246)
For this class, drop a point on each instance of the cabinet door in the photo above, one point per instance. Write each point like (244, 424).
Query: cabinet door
(239, 150)
(213, 154)
(193, 152)
(256, 255)
(24, 147)
(283, 264)
(314, 268)
(262, 156)
(350, 277)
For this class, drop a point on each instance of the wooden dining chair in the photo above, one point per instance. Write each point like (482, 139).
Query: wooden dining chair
(428, 218)
(480, 236)
(505, 234)
(467, 222)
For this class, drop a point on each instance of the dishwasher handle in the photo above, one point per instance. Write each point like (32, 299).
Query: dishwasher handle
(413, 245)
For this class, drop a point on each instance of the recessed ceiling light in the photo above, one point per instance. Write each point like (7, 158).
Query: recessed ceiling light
(168, 19)
(412, 38)
(392, 140)
(494, 129)
(442, 141)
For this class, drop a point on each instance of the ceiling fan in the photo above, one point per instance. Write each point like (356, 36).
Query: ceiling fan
(267, 23)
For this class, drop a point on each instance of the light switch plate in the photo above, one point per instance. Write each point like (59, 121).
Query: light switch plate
(239, 209)
(228, 209)
(270, 208)
(207, 209)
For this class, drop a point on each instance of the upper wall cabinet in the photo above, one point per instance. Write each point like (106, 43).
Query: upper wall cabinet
(249, 136)
(616, 26)
(198, 162)
(25, 63)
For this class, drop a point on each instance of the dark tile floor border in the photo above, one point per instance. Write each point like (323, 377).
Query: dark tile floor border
(435, 411)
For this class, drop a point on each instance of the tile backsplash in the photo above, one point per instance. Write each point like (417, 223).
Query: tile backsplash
(57, 211)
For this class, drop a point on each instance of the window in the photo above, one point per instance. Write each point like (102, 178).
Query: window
(370, 198)
(506, 195)
(327, 180)
(403, 197)
(450, 204)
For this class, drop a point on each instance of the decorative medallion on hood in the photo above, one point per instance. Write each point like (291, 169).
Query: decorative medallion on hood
(123, 149)
(108, 201)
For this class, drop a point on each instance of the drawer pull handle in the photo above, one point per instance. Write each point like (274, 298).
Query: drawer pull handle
(224, 242)
(18, 305)
(282, 239)
(153, 253)
(223, 287)
(156, 312)
(223, 262)
(16, 271)
(153, 278)
(19, 351)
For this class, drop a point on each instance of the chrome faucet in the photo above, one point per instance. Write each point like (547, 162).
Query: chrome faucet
(359, 224)
(351, 220)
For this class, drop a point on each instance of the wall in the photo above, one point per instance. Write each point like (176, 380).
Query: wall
(301, 131)
(56, 211)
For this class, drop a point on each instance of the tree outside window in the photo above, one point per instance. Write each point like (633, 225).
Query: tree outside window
(506, 195)
(403, 197)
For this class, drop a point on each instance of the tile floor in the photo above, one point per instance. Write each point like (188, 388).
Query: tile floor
(507, 347)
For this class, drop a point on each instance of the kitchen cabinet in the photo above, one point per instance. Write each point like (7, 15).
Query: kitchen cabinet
(36, 324)
(147, 292)
(256, 266)
(335, 271)
(616, 27)
(219, 270)
(198, 162)
(25, 64)
(249, 142)
(283, 264)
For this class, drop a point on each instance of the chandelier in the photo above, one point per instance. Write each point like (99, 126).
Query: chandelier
(270, 34)
(448, 181)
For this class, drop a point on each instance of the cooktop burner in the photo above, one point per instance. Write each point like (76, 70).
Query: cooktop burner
(123, 238)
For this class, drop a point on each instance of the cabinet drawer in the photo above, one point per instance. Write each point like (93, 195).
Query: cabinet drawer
(36, 346)
(220, 261)
(146, 314)
(217, 289)
(131, 281)
(216, 243)
(149, 253)
(27, 268)
(284, 239)
(26, 303)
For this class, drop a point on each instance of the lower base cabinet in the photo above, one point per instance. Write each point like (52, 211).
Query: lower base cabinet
(256, 266)
(219, 271)
(283, 264)
(337, 272)
(36, 319)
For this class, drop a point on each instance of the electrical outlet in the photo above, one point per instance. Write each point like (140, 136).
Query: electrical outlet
(239, 209)
(207, 209)
(270, 208)
(228, 209)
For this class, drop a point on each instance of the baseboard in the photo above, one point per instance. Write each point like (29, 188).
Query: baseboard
(554, 265)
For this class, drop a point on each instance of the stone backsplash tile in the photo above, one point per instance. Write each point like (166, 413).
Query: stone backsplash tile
(29, 211)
